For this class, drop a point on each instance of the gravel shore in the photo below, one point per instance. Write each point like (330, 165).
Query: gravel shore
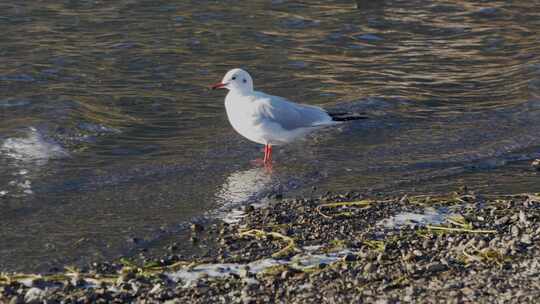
(456, 248)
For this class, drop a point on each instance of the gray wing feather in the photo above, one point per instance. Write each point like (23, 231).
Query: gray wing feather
(290, 115)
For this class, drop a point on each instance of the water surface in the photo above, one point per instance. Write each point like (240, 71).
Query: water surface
(110, 139)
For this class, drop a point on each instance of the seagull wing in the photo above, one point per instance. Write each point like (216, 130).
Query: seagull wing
(289, 115)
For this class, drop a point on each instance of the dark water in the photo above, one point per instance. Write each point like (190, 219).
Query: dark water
(108, 131)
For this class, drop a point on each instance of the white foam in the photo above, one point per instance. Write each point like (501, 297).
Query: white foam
(232, 216)
(28, 153)
(411, 219)
(312, 248)
(32, 149)
(220, 270)
(314, 260)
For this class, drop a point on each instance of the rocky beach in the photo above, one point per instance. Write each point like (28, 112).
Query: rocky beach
(460, 247)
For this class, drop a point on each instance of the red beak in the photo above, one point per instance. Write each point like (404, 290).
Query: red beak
(218, 85)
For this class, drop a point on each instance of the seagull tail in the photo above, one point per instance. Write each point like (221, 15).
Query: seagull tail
(346, 116)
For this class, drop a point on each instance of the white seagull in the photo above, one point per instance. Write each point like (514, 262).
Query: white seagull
(267, 119)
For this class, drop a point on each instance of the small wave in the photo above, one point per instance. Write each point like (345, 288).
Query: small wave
(97, 128)
(19, 77)
(32, 148)
(11, 103)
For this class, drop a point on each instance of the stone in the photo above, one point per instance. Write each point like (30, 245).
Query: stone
(436, 267)
(34, 295)
(502, 221)
(526, 239)
(196, 227)
(515, 230)
(536, 164)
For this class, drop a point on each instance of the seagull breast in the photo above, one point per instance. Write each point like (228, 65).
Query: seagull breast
(268, 119)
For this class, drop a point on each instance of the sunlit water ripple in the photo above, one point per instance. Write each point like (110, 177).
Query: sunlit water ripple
(109, 132)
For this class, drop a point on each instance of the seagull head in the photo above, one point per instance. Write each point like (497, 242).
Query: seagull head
(236, 80)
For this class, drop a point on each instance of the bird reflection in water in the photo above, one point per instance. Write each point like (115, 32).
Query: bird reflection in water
(241, 187)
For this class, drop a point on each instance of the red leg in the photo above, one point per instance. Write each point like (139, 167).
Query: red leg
(269, 153)
(268, 158)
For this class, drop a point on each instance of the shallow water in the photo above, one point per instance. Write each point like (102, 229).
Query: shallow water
(110, 139)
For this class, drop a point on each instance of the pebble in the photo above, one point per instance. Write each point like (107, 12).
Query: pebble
(156, 289)
(350, 257)
(436, 267)
(502, 221)
(16, 300)
(370, 267)
(536, 164)
(197, 227)
(244, 272)
(515, 230)
(481, 244)
(34, 295)
(526, 239)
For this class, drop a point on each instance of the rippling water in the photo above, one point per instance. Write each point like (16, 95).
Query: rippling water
(109, 133)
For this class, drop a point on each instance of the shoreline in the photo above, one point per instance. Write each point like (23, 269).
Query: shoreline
(456, 247)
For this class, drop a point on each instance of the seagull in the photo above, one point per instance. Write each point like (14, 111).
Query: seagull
(271, 120)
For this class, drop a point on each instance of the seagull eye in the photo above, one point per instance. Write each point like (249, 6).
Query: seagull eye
(234, 78)
(244, 80)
